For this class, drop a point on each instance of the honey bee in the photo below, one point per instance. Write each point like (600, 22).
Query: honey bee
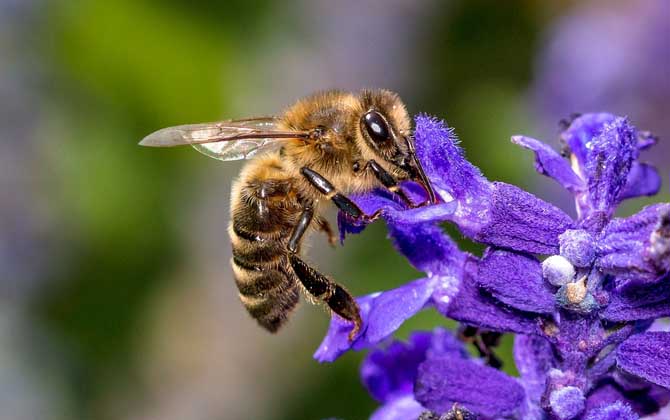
(320, 149)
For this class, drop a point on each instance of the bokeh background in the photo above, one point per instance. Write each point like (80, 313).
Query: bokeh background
(116, 298)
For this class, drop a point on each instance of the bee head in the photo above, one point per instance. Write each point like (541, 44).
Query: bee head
(385, 128)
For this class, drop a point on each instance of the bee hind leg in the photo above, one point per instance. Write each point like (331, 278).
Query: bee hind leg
(332, 294)
(316, 284)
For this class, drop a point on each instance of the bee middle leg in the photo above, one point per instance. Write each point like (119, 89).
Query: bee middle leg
(342, 202)
(316, 284)
(324, 227)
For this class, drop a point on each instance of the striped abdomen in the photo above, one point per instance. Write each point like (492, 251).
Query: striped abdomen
(263, 215)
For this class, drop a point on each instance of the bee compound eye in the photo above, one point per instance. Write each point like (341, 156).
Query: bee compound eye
(376, 127)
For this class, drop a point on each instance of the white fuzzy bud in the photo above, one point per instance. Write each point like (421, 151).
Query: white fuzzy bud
(557, 270)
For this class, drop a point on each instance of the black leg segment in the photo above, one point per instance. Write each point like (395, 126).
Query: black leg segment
(388, 181)
(319, 182)
(300, 229)
(342, 202)
(325, 290)
(347, 206)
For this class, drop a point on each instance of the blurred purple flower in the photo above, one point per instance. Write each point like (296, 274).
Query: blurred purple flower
(610, 55)
(580, 315)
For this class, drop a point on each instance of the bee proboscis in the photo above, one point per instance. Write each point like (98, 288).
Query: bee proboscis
(320, 149)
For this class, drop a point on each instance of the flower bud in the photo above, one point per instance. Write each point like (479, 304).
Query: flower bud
(557, 270)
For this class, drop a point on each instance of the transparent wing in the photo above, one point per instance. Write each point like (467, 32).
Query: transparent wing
(225, 140)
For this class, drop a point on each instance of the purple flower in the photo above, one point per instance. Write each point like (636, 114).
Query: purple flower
(619, 55)
(579, 294)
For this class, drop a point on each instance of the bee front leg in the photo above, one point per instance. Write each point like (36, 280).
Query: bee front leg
(342, 202)
(316, 284)
(388, 181)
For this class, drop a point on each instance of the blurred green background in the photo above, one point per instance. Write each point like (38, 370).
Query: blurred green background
(117, 301)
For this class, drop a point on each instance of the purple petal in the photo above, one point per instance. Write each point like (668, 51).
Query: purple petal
(605, 147)
(427, 247)
(452, 176)
(391, 308)
(567, 402)
(516, 280)
(615, 411)
(637, 248)
(403, 408)
(389, 373)
(533, 357)
(336, 342)
(382, 313)
(522, 222)
(475, 307)
(444, 343)
(650, 301)
(443, 381)
(643, 180)
(643, 402)
(551, 164)
(602, 366)
(582, 130)
(647, 355)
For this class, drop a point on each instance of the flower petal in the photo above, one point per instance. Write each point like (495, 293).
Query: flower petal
(533, 357)
(637, 248)
(452, 176)
(643, 402)
(605, 146)
(473, 306)
(643, 180)
(391, 308)
(614, 411)
(520, 221)
(443, 381)
(581, 132)
(650, 301)
(427, 247)
(382, 313)
(390, 372)
(647, 355)
(551, 164)
(516, 280)
(403, 408)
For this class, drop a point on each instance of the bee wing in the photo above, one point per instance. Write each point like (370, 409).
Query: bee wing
(225, 140)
